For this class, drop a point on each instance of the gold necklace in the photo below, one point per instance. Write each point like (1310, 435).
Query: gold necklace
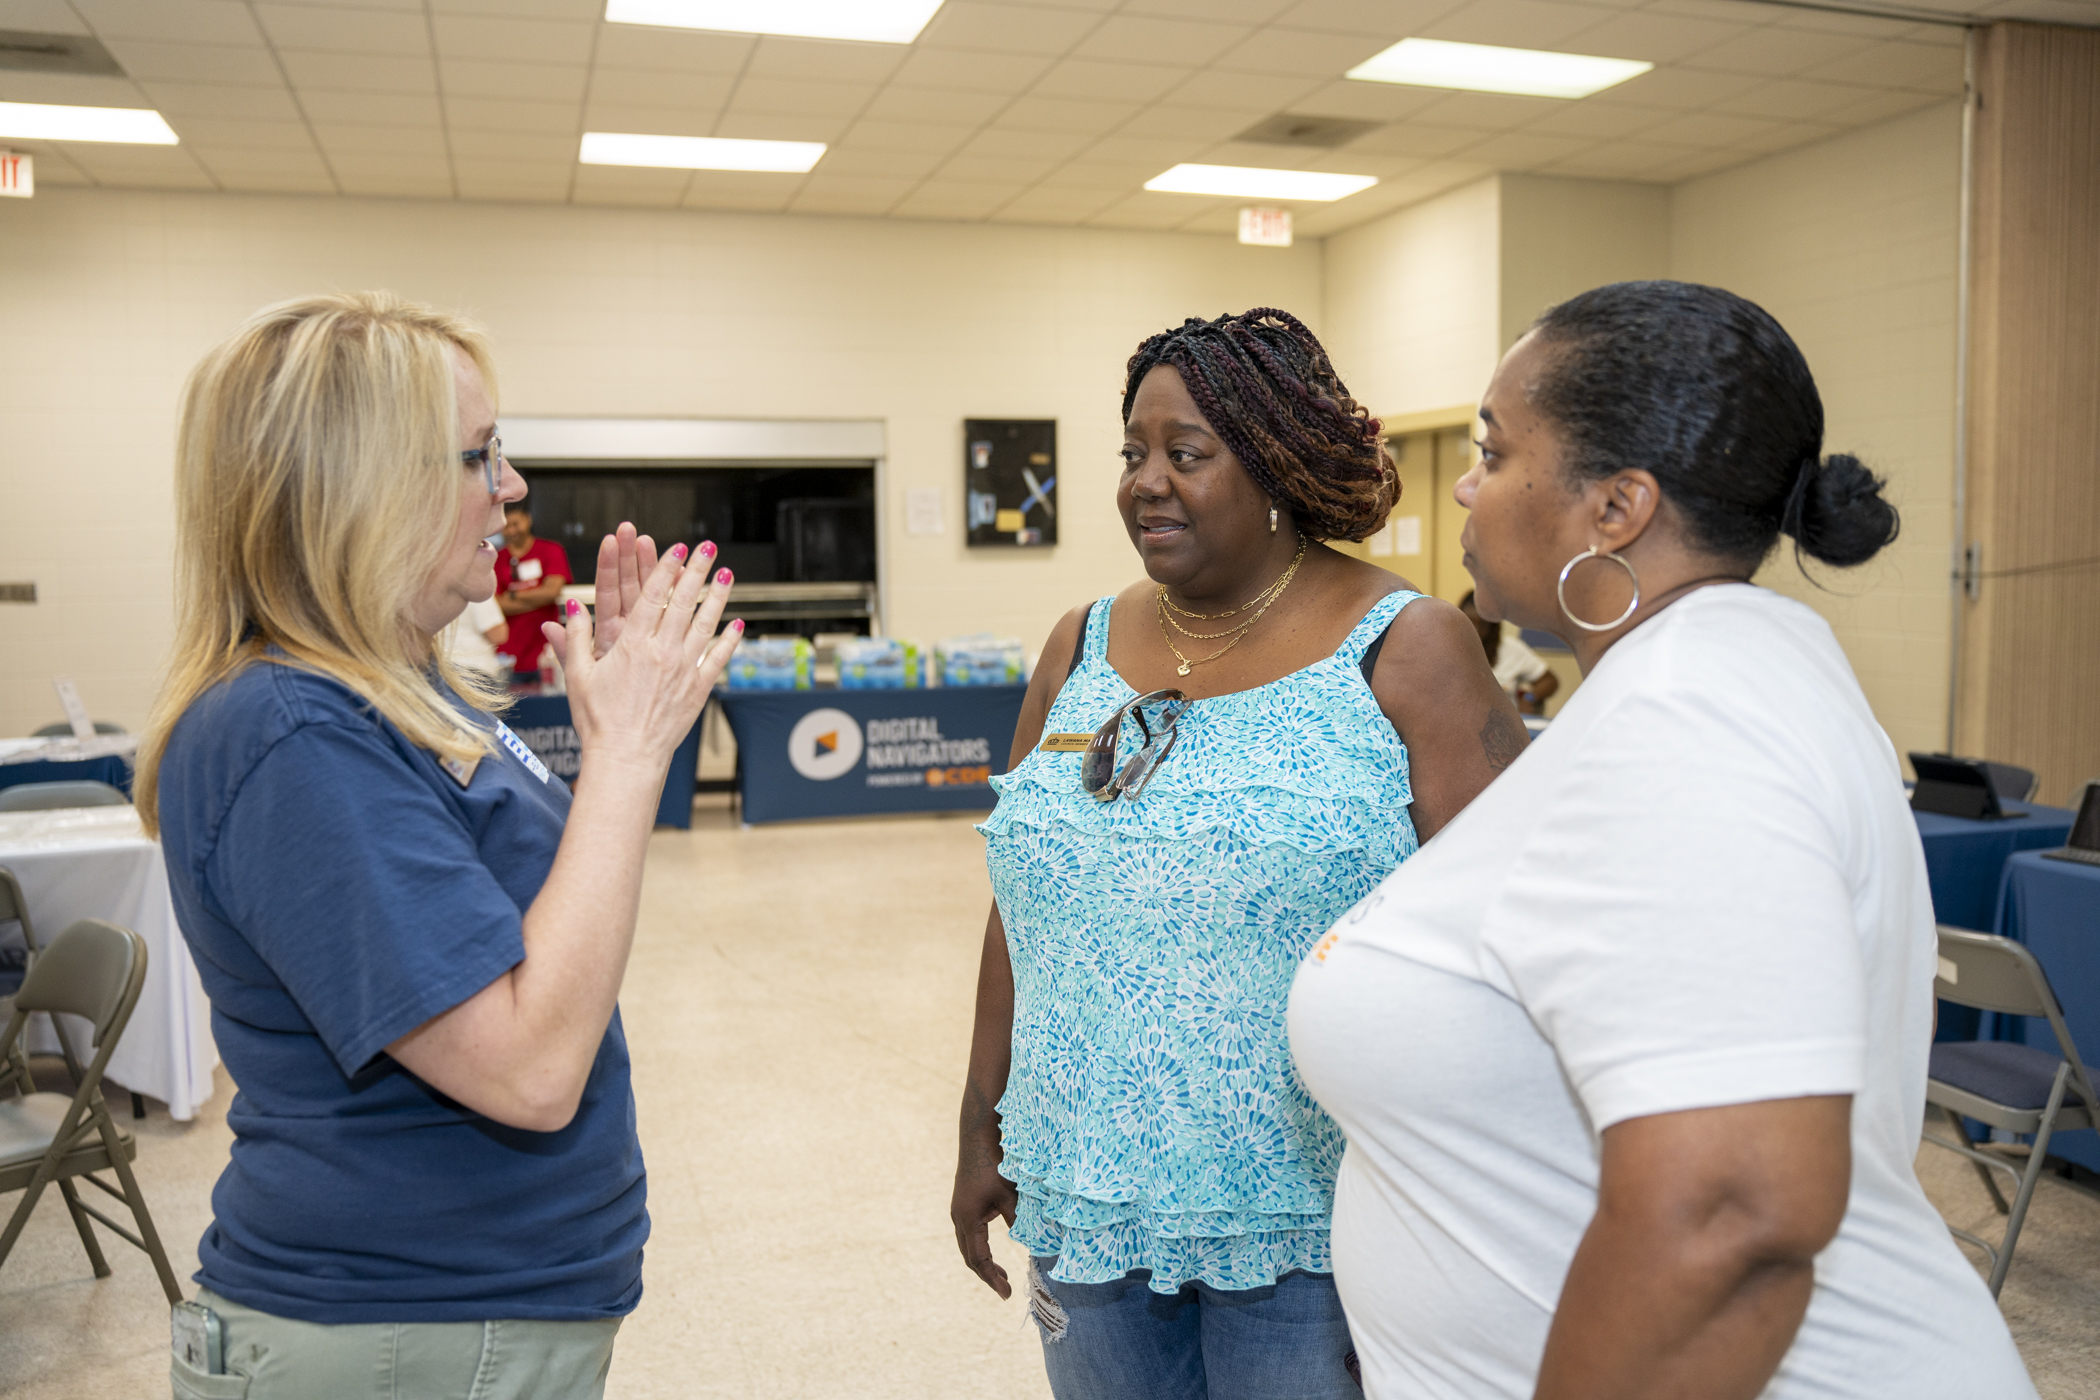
(1266, 596)
(1239, 633)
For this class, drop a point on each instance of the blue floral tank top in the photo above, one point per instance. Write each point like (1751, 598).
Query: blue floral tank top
(1152, 1118)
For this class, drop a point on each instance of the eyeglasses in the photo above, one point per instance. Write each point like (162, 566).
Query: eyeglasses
(490, 459)
(1098, 775)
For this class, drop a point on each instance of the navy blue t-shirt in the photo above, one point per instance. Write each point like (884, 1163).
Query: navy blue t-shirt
(338, 889)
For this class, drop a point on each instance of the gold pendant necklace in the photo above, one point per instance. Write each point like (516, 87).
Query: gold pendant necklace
(1267, 598)
(1263, 598)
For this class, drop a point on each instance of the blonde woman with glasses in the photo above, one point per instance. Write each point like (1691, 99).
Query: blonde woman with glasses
(412, 951)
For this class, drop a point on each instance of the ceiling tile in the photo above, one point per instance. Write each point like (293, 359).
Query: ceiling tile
(1619, 160)
(207, 100)
(641, 88)
(1387, 19)
(544, 81)
(1148, 210)
(739, 189)
(501, 114)
(184, 21)
(41, 17)
(585, 10)
(648, 121)
(1703, 163)
(1377, 102)
(1777, 51)
(220, 133)
(1645, 35)
(1193, 123)
(1006, 29)
(1255, 94)
(1091, 175)
(673, 50)
(1520, 23)
(414, 6)
(885, 190)
(889, 165)
(512, 40)
(1878, 107)
(1489, 111)
(1682, 89)
(905, 136)
(1216, 11)
(904, 104)
(1785, 136)
(405, 142)
(995, 170)
(1385, 167)
(1179, 42)
(1056, 114)
(264, 182)
(387, 185)
(478, 147)
(371, 108)
(1711, 129)
(1791, 99)
(826, 60)
(789, 97)
(1049, 207)
(196, 63)
(1158, 151)
(1246, 153)
(775, 126)
(1922, 67)
(1414, 139)
(1305, 53)
(407, 165)
(948, 199)
(340, 29)
(70, 89)
(1045, 145)
(349, 72)
(628, 186)
(161, 167)
(237, 162)
(519, 181)
(1116, 82)
(1838, 22)
(1604, 121)
(948, 70)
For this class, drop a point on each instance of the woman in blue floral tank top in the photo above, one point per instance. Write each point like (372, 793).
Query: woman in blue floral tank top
(1131, 1110)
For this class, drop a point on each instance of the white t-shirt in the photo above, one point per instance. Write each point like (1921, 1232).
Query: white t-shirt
(466, 640)
(1701, 886)
(1516, 664)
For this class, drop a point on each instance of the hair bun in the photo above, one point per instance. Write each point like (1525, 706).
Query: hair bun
(1837, 513)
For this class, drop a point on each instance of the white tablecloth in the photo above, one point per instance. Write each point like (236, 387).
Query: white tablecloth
(95, 863)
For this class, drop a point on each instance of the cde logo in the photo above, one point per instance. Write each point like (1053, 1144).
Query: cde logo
(824, 744)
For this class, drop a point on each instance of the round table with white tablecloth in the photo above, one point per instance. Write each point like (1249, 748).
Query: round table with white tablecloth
(95, 863)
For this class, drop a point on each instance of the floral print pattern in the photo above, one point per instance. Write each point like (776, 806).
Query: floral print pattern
(1152, 1119)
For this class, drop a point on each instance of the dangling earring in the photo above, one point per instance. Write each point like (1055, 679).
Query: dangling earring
(1561, 590)
(1272, 517)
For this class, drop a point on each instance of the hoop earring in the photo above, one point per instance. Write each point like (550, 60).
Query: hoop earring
(1561, 590)
(1272, 517)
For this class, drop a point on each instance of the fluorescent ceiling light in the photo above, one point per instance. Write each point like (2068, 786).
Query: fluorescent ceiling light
(1252, 182)
(36, 121)
(698, 152)
(1485, 68)
(873, 21)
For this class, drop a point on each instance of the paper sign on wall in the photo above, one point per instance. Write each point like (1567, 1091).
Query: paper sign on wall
(76, 713)
(1407, 534)
(922, 510)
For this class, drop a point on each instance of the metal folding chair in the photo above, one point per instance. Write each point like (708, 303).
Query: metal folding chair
(93, 970)
(14, 906)
(2016, 1088)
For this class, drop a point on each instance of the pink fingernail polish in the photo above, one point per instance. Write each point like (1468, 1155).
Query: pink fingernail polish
(724, 576)
(707, 547)
(574, 607)
(738, 624)
(678, 551)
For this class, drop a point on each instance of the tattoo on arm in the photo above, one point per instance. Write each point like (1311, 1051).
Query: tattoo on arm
(1502, 738)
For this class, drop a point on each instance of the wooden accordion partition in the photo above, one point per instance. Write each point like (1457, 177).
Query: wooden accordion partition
(2028, 685)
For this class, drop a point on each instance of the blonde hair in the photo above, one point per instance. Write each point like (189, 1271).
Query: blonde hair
(316, 446)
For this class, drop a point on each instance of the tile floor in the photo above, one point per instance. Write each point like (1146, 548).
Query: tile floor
(798, 1007)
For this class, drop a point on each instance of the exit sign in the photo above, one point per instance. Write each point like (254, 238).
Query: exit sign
(1266, 228)
(17, 175)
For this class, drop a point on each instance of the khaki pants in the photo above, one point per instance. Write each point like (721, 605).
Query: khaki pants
(278, 1358)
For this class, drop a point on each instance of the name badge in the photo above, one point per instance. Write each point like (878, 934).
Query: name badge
(1065, 743)
(517, 747)
(529, 570)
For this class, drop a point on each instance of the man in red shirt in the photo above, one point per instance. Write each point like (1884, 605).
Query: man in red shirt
(530, 574)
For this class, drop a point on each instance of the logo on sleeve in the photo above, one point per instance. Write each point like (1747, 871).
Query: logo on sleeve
(520, 752)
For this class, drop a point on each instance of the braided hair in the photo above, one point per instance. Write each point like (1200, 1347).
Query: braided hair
(1266, 387)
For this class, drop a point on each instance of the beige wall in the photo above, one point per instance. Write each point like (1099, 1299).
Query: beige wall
(1410, 303)
(1851, 243)
(110, 297)
(1561, 237)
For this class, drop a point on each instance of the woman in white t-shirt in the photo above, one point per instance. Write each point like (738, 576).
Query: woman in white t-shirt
(1631, 1057)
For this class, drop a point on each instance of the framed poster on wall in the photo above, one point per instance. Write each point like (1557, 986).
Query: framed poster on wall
(1010, 480)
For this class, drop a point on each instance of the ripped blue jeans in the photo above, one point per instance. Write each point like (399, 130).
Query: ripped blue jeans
(1116, 1340)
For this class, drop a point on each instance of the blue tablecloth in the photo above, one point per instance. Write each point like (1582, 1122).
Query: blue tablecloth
(2053, 906)
(1965, 860)
(110, 768)
(838, 753)
(542, 722)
